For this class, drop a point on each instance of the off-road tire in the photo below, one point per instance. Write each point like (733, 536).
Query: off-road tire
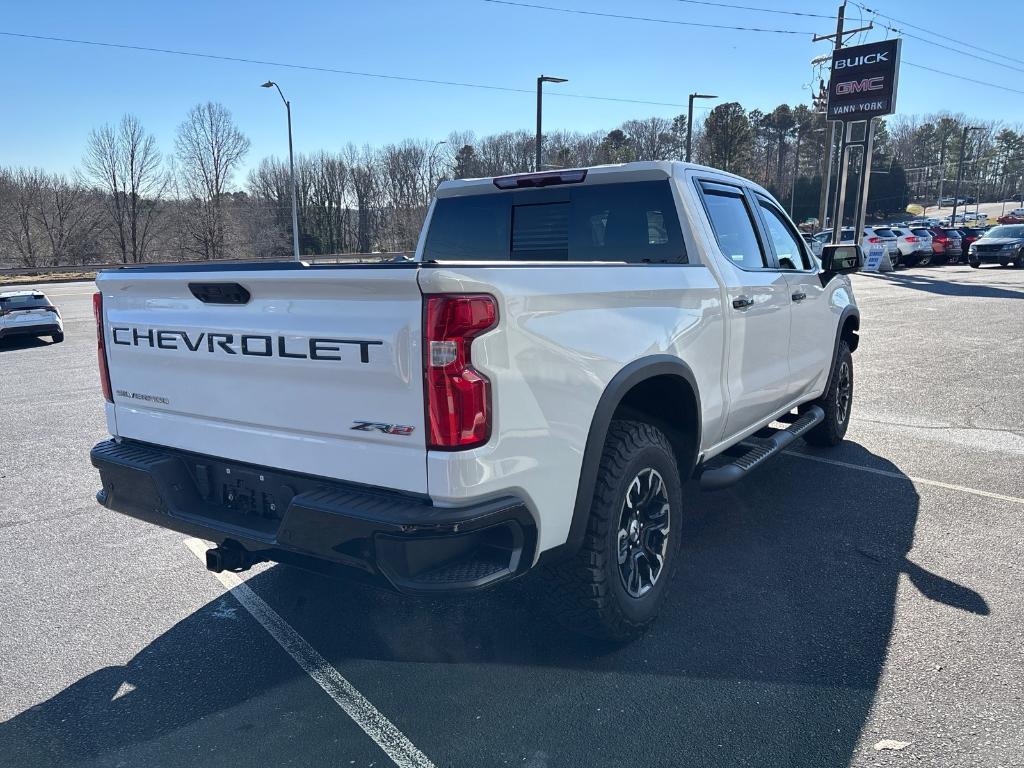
(586, 592)
(57, 338)
(832, 429)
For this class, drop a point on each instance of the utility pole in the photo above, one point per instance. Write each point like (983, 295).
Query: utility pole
(689, 118)
(960, 171)
(942, 169)
(796, 170)
(826, 186)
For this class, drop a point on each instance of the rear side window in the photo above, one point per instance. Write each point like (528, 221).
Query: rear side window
(634, 222)
(734, 226)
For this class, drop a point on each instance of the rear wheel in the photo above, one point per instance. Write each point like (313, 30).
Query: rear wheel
(57, 338)
(836, 402)
(1004, 262)
(613, 587)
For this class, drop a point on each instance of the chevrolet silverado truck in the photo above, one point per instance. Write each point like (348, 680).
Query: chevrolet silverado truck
(532, 390)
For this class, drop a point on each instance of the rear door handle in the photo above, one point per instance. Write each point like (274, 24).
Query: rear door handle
(742, 303)
(799, 296)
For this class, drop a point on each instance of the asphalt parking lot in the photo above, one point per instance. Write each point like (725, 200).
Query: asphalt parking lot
(837, 599)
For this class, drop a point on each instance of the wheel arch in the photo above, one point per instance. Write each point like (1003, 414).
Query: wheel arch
(640, 391)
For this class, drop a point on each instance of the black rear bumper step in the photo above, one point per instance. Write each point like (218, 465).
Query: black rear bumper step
(759, 450)
(255, 514)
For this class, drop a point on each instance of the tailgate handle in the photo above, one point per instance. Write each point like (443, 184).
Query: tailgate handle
(220, 293)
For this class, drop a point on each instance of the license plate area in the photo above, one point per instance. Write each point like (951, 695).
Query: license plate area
(242, 497)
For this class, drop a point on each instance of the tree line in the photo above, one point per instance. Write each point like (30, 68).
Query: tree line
(131, 202)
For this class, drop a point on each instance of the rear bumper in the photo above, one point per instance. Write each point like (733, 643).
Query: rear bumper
(320, 524)
(40, 329)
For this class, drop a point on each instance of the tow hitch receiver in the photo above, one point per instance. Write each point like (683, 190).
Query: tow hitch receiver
(228, 558)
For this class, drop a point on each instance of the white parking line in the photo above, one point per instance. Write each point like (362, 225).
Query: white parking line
(355, 705)
(898, 476)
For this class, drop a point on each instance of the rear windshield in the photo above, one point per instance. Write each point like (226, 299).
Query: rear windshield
(921, 232)
(883, 232)
(952, 232)
(634, 222)
(34, 301)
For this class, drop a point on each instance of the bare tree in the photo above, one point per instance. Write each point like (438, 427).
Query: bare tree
(21, 195)
(126, 165)
(66, 212)
(210, 149)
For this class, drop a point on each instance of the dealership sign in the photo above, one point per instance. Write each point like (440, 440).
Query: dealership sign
(864, 80)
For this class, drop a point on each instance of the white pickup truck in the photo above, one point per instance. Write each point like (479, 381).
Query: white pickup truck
(532, 390)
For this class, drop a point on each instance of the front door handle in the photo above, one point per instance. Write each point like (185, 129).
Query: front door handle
(799, 296)
(742, 303)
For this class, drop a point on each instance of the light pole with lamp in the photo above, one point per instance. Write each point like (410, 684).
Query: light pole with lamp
(291, 169)
(540, 108)
(689, 118)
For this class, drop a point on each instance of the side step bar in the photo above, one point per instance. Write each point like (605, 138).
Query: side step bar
(760, 450)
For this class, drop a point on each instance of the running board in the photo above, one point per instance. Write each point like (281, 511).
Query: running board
(760, 449)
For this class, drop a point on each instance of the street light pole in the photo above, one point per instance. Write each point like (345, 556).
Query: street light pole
(689, 118)
(960, 170)
(540, 108)
(291, 169)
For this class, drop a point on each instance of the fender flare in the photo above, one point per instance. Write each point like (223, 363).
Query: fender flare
(848, 311)
(634, 373)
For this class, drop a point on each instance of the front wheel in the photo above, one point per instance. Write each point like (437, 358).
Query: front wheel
(613, 587)
(1019, 261)
(836, 402)
(57, 338)
(1004, 262)
(976, 265)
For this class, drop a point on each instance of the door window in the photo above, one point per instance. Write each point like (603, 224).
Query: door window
(788, 248)
(734, 226)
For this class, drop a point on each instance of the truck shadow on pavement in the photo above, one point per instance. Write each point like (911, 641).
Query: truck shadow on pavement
(769, 652)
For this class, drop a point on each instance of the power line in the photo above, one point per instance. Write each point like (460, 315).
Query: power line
(643, 18)
(329, 70)
(962, 77)
(941, 35)
(759, 10)
(904, 33)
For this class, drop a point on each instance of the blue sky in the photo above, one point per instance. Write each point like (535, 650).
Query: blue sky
(54, 93)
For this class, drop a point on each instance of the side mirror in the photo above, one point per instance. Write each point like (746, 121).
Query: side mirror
(841, 259)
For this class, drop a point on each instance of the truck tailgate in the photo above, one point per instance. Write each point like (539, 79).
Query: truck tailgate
(319, 371)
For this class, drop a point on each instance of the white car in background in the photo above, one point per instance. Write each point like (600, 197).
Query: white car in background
(29, 313)
(871, 238)
(915, 245)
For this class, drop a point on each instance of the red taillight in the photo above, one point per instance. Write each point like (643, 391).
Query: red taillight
(101, 347)
(911, 239)
(941, 239)
(458, 397)
(874, 239)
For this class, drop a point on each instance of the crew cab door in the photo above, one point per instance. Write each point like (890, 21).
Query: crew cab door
(758, 307)
(812, 331)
